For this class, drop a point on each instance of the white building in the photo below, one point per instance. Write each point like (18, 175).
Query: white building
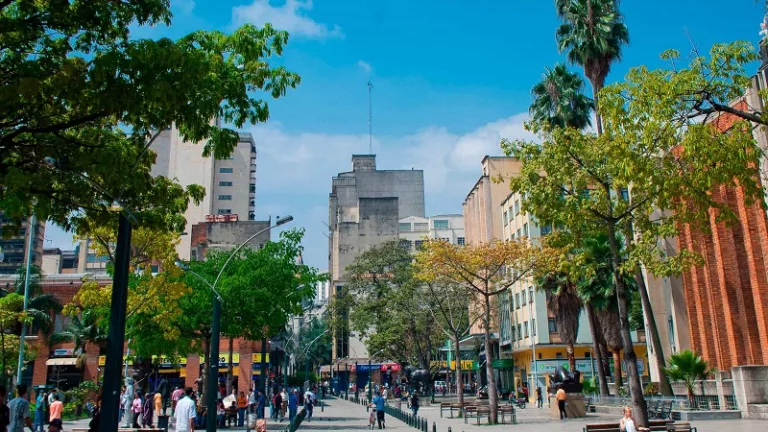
(230, 184)
(413, 230)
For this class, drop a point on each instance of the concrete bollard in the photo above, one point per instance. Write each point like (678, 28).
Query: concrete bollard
(434, 427)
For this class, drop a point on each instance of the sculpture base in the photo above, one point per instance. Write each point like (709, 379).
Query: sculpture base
(574, 406)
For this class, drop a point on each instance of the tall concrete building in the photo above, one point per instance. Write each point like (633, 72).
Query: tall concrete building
(14, 247)
(230, 184)
(414, 230)
(364, 209)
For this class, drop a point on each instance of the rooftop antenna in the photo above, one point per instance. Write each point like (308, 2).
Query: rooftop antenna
(370, 127)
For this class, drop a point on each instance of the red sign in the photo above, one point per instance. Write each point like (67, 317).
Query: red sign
(394, 367)
(222, 218)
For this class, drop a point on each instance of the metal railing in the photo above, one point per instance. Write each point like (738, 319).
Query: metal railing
(679, 403)
(411, 420)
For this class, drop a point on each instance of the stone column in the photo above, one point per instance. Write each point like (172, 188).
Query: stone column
(750, 386)
(720, 391)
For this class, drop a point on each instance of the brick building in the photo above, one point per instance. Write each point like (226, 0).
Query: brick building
(727, 297)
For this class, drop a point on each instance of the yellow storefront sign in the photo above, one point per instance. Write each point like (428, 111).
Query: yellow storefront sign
(465, 364)
(256, 358)
(164, 361)
(224, 359)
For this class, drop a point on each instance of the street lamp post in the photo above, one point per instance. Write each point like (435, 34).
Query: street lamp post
(306, 354)
(370, 372)
(213, 359)
(30, 246)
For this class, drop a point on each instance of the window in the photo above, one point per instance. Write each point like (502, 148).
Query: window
(253, 161)
(225, 183)
(625, 194)
(225, 197)
(419, 244)
(506, 218)
(513, 332)
(252, 188)
(440, 224)
(517, 300)
(251, 216)
(671, 326)
(552, 325)
(524, 302)
(517, 207)
(252, 203)
(546, 229)
(460, 241)
(559, 356)
(530, 295)
(406, 244)
(155, 268)
(405, 227)
(421, 227)
(525, 326)
(225, 170)
(519, 234)
(519, 332)
(525, 230)
(585, 193)
(533, 327)
(224, 211)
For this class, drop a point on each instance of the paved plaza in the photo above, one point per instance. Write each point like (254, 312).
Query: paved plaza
(340, 415)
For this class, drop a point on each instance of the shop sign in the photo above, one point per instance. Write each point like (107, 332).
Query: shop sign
(549, 366)
(63, 352)
(392, 367)
(256, 358)
(224, 359)
(165, 362)
(366, 368)
(503, 363)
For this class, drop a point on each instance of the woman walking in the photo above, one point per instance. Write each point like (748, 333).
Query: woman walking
(148, 412)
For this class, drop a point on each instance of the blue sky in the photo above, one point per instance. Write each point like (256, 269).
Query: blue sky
(451, 78)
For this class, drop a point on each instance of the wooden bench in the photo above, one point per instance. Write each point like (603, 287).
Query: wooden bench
(653, 425)
(451, 406)
(507, 410)
(682, 427)
(476, 411)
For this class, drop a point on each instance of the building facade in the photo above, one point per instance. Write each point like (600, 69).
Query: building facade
(14, 247)
(364, 209)
(226, 234)
(230, 184)
(528, 333)
(57, 261)
(414, 230)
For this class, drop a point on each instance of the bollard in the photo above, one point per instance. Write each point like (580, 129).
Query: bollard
(449, 429)
(434, 427)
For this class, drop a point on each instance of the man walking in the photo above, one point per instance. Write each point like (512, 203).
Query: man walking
(185, 412)
(560, 396)
(19, 411)
(293, 405)
(539, 397)
(378, 404)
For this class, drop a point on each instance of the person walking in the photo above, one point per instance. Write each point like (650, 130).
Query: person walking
(293, 405)
(57, 407)
(378, 404)
(136, 407)
(284, 407)
(415, 403)
(261, 405)
(309, 403)
(39, 424)
(147, 412)
(185, 412)
(242, 404)
(560, 396)
(158, 404)
(539, 397)
(18, 410)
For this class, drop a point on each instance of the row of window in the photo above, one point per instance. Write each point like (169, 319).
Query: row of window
(522, 330)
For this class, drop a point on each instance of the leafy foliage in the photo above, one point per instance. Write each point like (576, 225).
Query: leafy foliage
(564, 303)
(558, 100)
(688, 367)
(80, 98)
(40, 305)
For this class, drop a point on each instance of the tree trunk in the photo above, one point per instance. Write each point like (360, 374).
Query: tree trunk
(635, 388)
(230, 368)
(594, 328)
(598, 117)
(665, 388)
(492, 396)
(605, 354)
(571, 357)
(457, 359)
(619, 381)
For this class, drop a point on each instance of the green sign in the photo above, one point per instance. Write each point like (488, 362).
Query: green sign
(503, 363)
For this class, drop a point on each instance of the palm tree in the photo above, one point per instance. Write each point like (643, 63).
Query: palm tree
(558, 100)
(82, 330)
(593, 32)
(687, 366)
(39, 305)
(565, 305)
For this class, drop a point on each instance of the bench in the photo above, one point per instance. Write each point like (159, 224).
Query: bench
(682, 427)
(507, 410)
(477, 412)
(653, 425)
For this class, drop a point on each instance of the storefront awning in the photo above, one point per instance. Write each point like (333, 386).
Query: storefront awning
(62, 361)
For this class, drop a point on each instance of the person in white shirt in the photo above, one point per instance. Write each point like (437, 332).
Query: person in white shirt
(627, 423)
(185, 412)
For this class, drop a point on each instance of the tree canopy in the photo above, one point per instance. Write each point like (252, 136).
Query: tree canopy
(81, 98)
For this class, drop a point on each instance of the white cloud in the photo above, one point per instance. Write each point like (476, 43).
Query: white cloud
(364, 66)
(184, 7)
(292, 17)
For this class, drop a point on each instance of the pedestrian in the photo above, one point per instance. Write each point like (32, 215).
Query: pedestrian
(55, 426)
(147, 412)
(175, 397)
(93, 425)
(57, 407)
(18, 408)
(378, 404)
(185, 412)
(560, 396)
(309, 403)
(39, 424)
(158, 404)
(415, 403)
(242, 404)
(261, 405)
(220, 413)
(293, 405)
(539, 397)
(136, 407)
(284, 406)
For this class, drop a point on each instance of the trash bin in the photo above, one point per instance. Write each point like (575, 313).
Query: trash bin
(162, 422)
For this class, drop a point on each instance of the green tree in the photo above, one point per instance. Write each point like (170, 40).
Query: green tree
(650, 143)
(40, 305)
(80, 97)
(558, 100)
(593, 32)
(564, 303)
(688, 367)
(11, 315)
(315, 343)
(82, 330)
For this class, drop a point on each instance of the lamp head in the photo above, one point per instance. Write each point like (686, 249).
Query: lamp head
(280, 221)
